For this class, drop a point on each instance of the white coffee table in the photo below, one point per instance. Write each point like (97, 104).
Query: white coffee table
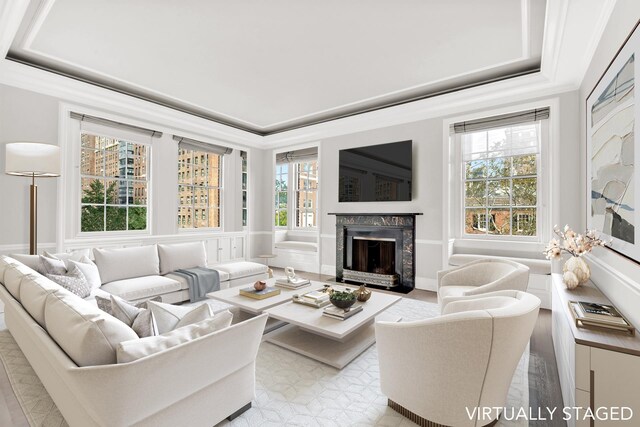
(331, 341)
(250, 307)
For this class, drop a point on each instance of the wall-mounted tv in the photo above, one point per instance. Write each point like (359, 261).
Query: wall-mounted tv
(376, 173)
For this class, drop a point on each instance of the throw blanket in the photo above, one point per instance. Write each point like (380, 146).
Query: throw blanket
(201, 281)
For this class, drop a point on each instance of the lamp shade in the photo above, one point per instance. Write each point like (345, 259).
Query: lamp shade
(32, 159)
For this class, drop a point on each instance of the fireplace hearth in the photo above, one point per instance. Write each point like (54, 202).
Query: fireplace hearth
(376, 250)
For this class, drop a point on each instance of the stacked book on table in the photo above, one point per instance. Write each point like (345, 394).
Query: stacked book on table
(267, 292)
(599, 316)
(315, 299)
(338, 313)
(295, 283)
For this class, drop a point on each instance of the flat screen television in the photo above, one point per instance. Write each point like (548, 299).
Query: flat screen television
(376, 173)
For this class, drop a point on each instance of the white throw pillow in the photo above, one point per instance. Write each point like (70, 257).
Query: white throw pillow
(68, 256)
(128, 351)
(181, 255)
(169, 317)
(89, 269)
(127, 263)
(88, 335)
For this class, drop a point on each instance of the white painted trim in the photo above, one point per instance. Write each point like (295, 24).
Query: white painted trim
(554, 26)
(11, 15)
(24, 248)
(268, 233)
(328, 236)
(428, 242)
(426, 284)
(67, 89)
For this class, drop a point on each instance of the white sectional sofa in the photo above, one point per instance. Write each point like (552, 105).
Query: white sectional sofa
(71, 345)
(142, 272)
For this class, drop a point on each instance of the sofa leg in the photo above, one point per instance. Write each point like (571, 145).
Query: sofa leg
(239, 412)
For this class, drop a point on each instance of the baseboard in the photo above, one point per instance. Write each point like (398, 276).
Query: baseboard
(426, 284)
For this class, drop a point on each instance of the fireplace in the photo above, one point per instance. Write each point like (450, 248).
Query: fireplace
(376, 249)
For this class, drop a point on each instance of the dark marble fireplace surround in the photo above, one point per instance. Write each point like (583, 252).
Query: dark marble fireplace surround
(398, 226)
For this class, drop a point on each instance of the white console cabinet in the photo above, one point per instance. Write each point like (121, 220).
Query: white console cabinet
(597, 369)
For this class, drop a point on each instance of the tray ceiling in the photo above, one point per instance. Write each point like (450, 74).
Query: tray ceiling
(272, 66)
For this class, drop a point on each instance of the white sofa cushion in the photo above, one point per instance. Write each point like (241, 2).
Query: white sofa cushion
(31, 261)
(89, 269)
(88, 335)
(453, 291)
(142, 287)
(13, 275)
(295, 245)
(34, 290)
(240, 269)
(181, 255)
(479, 302)
(129, 351)
(5, 262)
(127, 263)
(184, 284)
(169, 317)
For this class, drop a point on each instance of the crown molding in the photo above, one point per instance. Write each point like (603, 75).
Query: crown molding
(11, 14)
(70, 90)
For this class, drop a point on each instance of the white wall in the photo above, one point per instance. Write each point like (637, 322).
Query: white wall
(616, 276)
(30, 117)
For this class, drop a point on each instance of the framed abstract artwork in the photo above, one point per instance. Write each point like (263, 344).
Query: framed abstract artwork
(613, 151)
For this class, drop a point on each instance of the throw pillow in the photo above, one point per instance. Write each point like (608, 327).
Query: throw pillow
(73, 281)
(104, 304)
(170, 317)
(89, 269)
(128, 351)
(141, 320)
(52, 265)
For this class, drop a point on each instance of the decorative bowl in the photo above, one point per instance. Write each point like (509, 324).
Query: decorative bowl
(260, 285)
(343, 299)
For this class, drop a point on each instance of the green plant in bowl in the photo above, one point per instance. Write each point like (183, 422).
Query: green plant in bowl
(343, 299)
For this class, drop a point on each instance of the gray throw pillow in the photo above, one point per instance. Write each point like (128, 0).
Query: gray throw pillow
(52, 266)
(141, 320)
(104, 304)
(73, 281)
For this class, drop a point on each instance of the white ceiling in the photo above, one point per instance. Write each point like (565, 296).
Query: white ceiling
(268, 66)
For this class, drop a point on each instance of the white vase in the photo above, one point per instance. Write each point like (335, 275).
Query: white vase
(576, 272)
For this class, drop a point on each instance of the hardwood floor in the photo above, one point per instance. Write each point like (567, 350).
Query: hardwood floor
(544, 384)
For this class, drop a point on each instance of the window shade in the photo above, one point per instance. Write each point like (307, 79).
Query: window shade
(501, 121)
(303, 155)
(112, 123)
(192, 144)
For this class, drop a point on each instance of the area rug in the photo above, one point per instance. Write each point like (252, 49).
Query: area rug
(290, 389)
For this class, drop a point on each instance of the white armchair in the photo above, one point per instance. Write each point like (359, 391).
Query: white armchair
(482, 276)
(433, 370)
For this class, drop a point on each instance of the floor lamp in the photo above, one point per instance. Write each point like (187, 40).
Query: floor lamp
(34, 160)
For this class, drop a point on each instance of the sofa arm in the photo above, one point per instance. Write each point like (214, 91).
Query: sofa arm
(127, 393)
(420, 364)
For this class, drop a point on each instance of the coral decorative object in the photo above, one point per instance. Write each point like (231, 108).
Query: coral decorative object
(576, 270)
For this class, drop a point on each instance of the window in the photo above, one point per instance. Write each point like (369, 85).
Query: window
(245, 178)
(199, 188)
(282, 194)
(114, 179)
(501, 168)
(306, 178)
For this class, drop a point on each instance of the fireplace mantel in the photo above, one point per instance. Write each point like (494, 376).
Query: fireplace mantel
(400, 225)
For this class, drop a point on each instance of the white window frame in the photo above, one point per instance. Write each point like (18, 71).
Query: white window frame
(297, 190)
(76, 129)
(543, 212)
(275, 194)
(220, 207)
